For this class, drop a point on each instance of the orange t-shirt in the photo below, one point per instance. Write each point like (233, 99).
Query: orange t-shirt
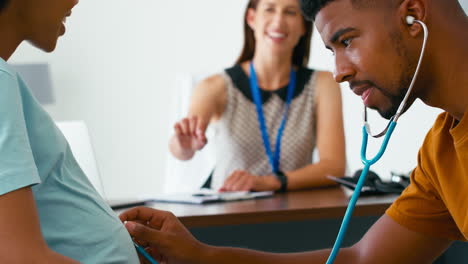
(436, 201)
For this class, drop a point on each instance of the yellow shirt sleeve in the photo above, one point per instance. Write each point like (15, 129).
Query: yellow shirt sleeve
(420, 208)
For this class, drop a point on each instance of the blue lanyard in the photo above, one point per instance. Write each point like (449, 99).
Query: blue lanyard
(274, 159)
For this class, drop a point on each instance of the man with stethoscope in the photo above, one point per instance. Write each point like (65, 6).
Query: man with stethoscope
(390, 52)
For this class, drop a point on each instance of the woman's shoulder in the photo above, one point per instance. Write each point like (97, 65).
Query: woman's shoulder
(314, 78)
(213, 80)
(9, 81)
(215, 83)
(326, 86)
(212, 87)
(321, 77)
(311, 72)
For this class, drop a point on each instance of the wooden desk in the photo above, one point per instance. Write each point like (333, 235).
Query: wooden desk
(291, 222)
(314, 204)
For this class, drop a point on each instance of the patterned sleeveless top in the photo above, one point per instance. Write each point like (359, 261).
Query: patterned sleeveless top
(238, 143)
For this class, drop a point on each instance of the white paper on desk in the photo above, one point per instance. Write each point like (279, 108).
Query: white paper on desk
(209, 196)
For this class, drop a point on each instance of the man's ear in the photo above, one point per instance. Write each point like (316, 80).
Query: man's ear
(416, 9)
(251, 18)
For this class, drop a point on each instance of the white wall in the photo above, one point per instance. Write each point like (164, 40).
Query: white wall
(115, 69)
(116, 66)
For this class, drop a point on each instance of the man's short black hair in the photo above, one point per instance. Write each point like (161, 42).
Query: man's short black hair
(310, 8)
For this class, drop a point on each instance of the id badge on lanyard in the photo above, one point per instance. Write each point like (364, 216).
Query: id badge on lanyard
(274, 159)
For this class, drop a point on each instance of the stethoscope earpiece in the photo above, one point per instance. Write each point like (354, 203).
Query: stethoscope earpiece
(410, 20)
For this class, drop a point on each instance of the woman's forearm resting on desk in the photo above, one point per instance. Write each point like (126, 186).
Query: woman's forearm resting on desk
(315, 175)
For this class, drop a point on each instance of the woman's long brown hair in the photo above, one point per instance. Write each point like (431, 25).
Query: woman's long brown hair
(301, 51)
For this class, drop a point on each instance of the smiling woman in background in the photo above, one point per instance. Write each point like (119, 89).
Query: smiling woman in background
(269, 110)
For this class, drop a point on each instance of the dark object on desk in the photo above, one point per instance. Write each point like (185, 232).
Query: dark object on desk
(126, 203)
(373, 184)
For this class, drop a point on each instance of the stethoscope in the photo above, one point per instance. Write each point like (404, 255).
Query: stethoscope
(366, 131)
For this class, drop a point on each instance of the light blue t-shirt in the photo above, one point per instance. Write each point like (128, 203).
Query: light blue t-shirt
(75, 220)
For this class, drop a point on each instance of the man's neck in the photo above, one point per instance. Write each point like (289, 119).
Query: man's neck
(448, 74)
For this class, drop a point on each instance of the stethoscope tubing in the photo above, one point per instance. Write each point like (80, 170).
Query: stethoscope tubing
(383, 147)
(357, 191)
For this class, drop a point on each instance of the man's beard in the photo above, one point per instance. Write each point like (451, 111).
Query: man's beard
(402, 83)
(395, 101)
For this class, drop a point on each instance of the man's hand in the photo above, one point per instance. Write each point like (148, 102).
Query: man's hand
(241, 180)
(163, 236)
